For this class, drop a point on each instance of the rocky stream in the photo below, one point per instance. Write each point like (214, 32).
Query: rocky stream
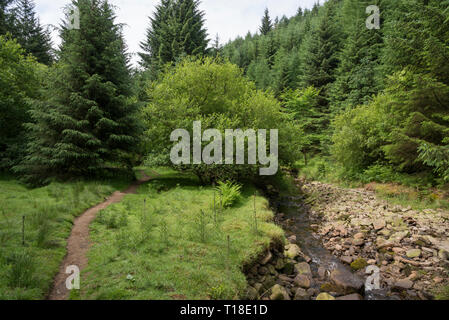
(346, 244)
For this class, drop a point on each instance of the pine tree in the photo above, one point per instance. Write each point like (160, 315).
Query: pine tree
(319, 60)
(6, 17)
(176, 29)
(320, 55)
(216, 47)
(357, 75)
(87, 121)
(31, 34)
(267, 25)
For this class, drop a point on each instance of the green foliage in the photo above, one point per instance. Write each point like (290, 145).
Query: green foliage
(220, 97)
(176, 30)
(267, 25)
(410, 113)
(19, 81)
(86, 120)
(30, 33)
(437, 157)
(229, 192)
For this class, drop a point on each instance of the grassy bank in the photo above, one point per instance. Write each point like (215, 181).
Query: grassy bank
(166, 242)
(27, 271)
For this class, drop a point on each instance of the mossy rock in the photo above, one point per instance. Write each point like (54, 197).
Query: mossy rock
(359, 264)
(328, 287)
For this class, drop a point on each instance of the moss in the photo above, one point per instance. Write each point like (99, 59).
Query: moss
(359, 264)
(328, 287)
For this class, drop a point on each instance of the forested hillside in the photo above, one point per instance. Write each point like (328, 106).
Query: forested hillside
(373, 100)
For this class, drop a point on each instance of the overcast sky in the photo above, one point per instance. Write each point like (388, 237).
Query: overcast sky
(228, 18)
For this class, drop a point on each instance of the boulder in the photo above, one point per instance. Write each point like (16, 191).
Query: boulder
(346, 282)
(404, 284)
(301, 294)
(266, 259)
(347, 259)
(303, 268)
(278, 292)
(324, 296)
(379, 224)
(252, 294)
(351, 297)
(303, 281)
(293, 251)
(414, 253)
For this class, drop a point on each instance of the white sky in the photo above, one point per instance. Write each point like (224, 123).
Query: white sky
(228, 18)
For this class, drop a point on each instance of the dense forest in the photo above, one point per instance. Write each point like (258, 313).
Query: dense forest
(372, 100)
(358, 90)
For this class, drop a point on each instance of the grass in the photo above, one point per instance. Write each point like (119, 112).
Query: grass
(27, 271)
(166, 242)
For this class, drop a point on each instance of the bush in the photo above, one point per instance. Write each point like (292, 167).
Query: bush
(395, 127)
(218, 95)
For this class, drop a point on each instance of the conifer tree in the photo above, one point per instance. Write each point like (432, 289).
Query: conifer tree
(87, 122)
(267, 24)
(30, 33)
(6, 16)
(320, 57)
(357, 74)
(176, 29)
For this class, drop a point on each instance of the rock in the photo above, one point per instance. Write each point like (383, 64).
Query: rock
(399, 236)
(324, 296)
(414, 253)
(293, 251)
(365, 222)
(280, 264)
(346, 281)
(347, 259)
(301, 294)
(303, 268)
(381, 243)
(358, 242)
(289, 268)
(252, 294)
(359, 264)
(379, 224)
(292, 239)
(322, 273)
(278, 292)
(372, 262)
(351, 297)
(259, 288)
(443, 255)
(285, 278)
(303, 281)
(404, 284)
(263, 271)
(438, 280)
(267, 258)
(359, 235)
(398, 250)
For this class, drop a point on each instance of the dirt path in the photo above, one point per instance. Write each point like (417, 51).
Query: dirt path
(78, 243)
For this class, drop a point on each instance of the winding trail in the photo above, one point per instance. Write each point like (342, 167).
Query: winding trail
(78, 243)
